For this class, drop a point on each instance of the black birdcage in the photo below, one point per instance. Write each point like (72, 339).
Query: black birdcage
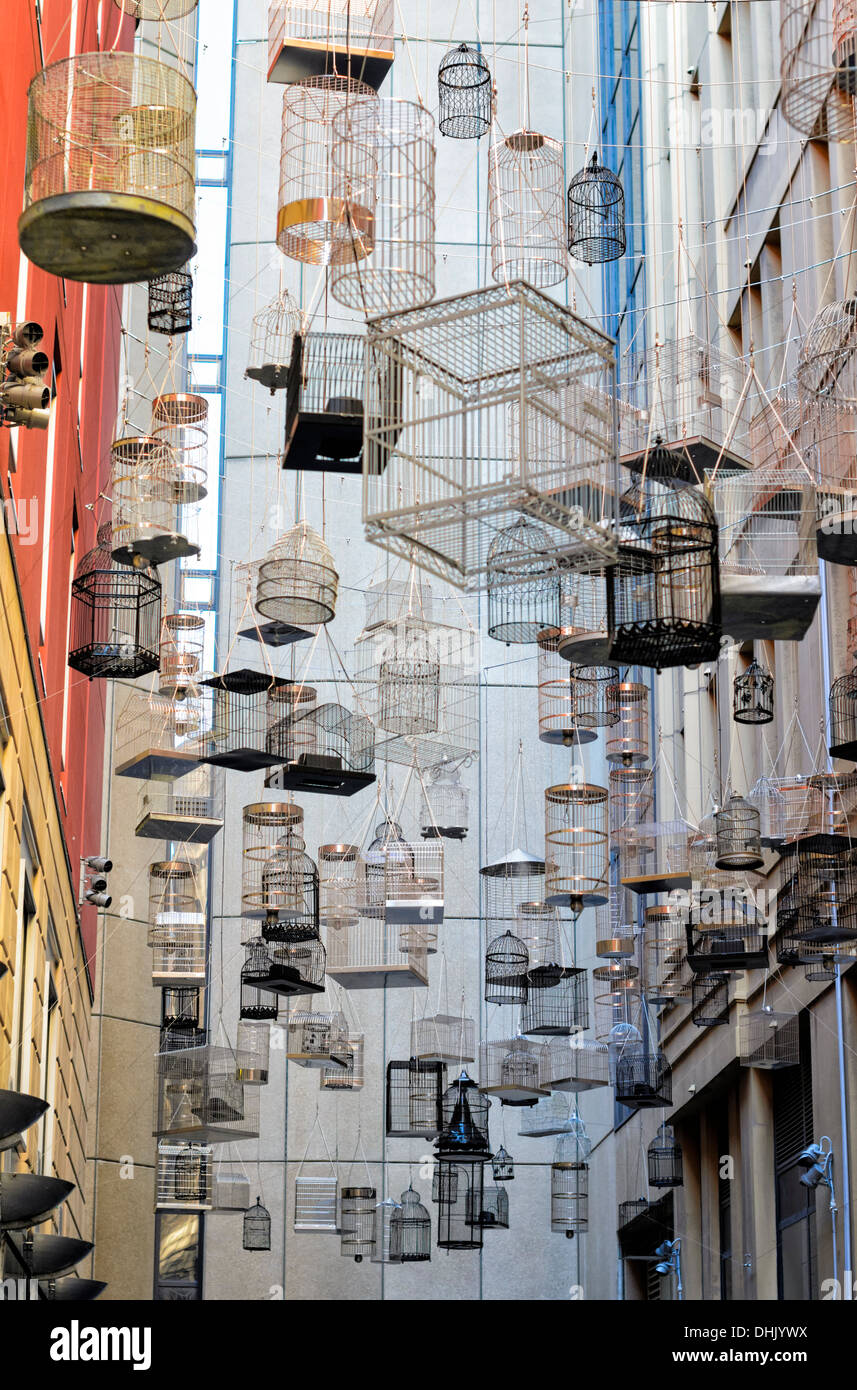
(664, 1159)
(672, 467)
(643, 1080)
(324, 748)
(817, 905)
(461, 1186)
(709, 1000)
(257, 1227)
(410, 1230)
(239, 728)
(414, 1099)
(738, 835)
(465, 94)
(560, 1010)
(324, 402)
(256, 1003)
(507, 962)
(663, 594)
(493, 1214)
(179, 1006)
(843, 718)
(170, 303)
(596, 215)
(464, 1111)
(287, 968)
(753, 696)
(192, 1173)
(524, 583)
(115, 616)
(629, 1211)
(728, 947)
(503, 1166)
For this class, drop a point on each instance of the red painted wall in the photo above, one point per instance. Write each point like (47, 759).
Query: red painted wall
(84, 325)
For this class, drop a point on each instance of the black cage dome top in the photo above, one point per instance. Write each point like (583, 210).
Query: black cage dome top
(596, 215)
(464, 93)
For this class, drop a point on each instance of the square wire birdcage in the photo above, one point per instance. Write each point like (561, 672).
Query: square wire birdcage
(448, 1038)
(643, 1080)
(516, 392)
(789, 807)
(189, 813)
(414, 1099)
(560, 1010)
(317, 1039)
(579, 1064)
(769, 1040)
(198, 1098)
(316, 1204)
(322, 748)
(350, 1076)
(184, 1177)
(309, 37)
(157, 736)
(368, 953)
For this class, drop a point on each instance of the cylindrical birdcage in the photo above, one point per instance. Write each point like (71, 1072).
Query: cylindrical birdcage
(146, 499)
(584, 638)
(558, 1011)
(357, 1222)
(115, 615)
(506, 966)
(390, 142)
(180, 421)
(664, 1159)
(523, 583)
(256, 1003)
(257, 1227)
(507, 884)
(526, 209)
(618, 1014)
(271, 339)
(738, 836)
(287, 739)
(827, 361)
(317, 221)
(709, 1000)
(596, 709)
(632, 796)
(109, 187)
(174, 893)
(409, 682)
(559, 694)
(410, 1230)
(182, 640)
(446, 804)
(253, 1051)
(753, 695)
(843, 717)
(341, 889)
(616, 926)
(577, 852)
(627, 743)
(460, 1187)
(596, 215)
(819, 77)
(465, 94)
(298, 582)
(664, 948)
(170, 303)
(569, 1198)
(516, 1070)
(280, 881)
(160, 10)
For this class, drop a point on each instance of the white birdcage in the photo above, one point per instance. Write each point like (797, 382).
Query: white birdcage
(253, 1051)
(350, 1076)
(180, 421)
(516, 1070)
(664, 949)
(341, 886)
(448, 1038)
(789, 807)
(578, 1064)
(446, 805)
(308, 37)
(317, 1039)
(769, 1040)
(231, 1189)
(527, 209)
(655, 856)
(549, 1116)
(271, 338)
(157, 737)
(189, 812)
(462, 374)
(150, 524)
(409, 681)
(818, 47)
(404, 885)
(185, 1177)
(368, 954)
(179, 950)
(198, 1097)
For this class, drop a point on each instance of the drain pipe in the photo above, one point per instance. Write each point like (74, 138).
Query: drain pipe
(840, 1017)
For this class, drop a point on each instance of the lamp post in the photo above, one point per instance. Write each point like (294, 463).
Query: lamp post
(818, 1162)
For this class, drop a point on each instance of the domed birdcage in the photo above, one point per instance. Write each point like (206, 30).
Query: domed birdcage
(503, 1166)
(271, 340)
(737, 831)
(576, 845)
(632, 797)
(843, 717)
(643, 1080)
(170, 301)
(526, 209)
(341, 887)
(409, 681)
(507, 964)
(357, 1222)
(627, 743)
(256, 1003)
(446, 805)
(115, 615)
(387, 856)
(596, 215)
(672, 468)
(465, 94)
(317, 222)
(293, 968)
(753, 695)
(709, 1000)
(523, 583)
(663, 595)
(558, 1011)
(257, 1227)
(410, 1230)
(559, 695)
(350, 1076)
(280, 881)
(145, 481)
(317, 1039)
(818, 72)
(180, 422)
(318, 748)
(515, 1070)
(109, 190)
(414, 1099)
(664, 1159)
(297, 580)
(827, 362)
(181, 653)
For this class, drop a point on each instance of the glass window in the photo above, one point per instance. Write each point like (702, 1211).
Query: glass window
(178, 1237)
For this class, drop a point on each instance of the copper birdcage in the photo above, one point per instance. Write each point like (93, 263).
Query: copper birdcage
(632, 796)
(526, 209)
(297, 581)
(827, 363)
(271, 342)
(753, 695)
(170, 301)
(465, 94)
(279, 880)
(769, 1040)
(523, 583)
(109, 187)
(663, 952)
(160, 10)
(576, 845)
(115, 616)
(145, 484)
(309, 37)
(818, 73)
(627, 742)
(619, 1010)
(181, 653)
(559, 695)
(180, 422)
(596, 215)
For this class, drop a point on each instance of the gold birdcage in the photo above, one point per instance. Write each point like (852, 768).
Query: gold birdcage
(576, 845)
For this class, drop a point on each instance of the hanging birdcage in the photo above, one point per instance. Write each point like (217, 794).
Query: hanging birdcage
(579, 1065)
(664, 1159)
(184, 1177)
(461, 1187)
(383, 1223)
(503, 1166)
(465, 1117)
(526, 209)
(627, 743)
(174, 892)
(315, 224)
(753, 695)
(509, 883)
(507, 964)
(514, 1069)
(414, 1094)
(324, 403)
(357, 1222)
(643, 1080)
(658, 464)
(279, 880)
(349, 1076)
(341, 887)
(191, 813)
(523, 583)
(465, 94)
(789, 807)
(297, 580)
(843, 717)
(709, 1000)
(115, 616)
(619, 1012)
(410, 1230)
(817, 904)
(180, 1006)
(181, 652)
(256, 1234)
(559, 695)
(577, 856)
(550, 959)
(170, 301)
(558, 1011)
(663, 596)
(769, 1040)
(271, 342)
(160, 10)
(595, 706)
(310, 37)
(370, 954)
(238, 735)
(375, 949)
(409, 682)
(632, 797)
(317, 1200)
(180, 422)
(827, 362)
(231, 1189)
(490, 1209)
(663, 953)
(177, 928)
(446, 1038)
(317, 1039)
(256, 1002)
(198, 1097)
(818, 74)
(569, 1197)
(583, 637)
(616, 927)
(739, 845)
(446, 804)
(318, 748)
(253, 1051)
(146, 527)
(109, 189)
(838, 813)
(517, 441)
(156, 737)
(549, 1116)
(596, 215)
(655, 856)
(385, 148)
(285, 967)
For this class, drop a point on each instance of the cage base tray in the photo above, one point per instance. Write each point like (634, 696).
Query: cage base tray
(846, 751)
(155, 550)
(662, 645)
(444, 832)
(283, 981)
(240, 760)
(327, 781)
(838, 546)
(756, 607)
(367, 977)
(585, 649)
(657, 883)
(705, 964)
(321, 443)
(274, 634)
(302, 58)
(645, 1100)
(105, 238)
(158, 765)
(178, 979)
(110, 661)
(568, 737)
(208, 1134)
(701, 453)
(186, 830)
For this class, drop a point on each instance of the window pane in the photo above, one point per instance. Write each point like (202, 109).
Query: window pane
(178, 1254)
